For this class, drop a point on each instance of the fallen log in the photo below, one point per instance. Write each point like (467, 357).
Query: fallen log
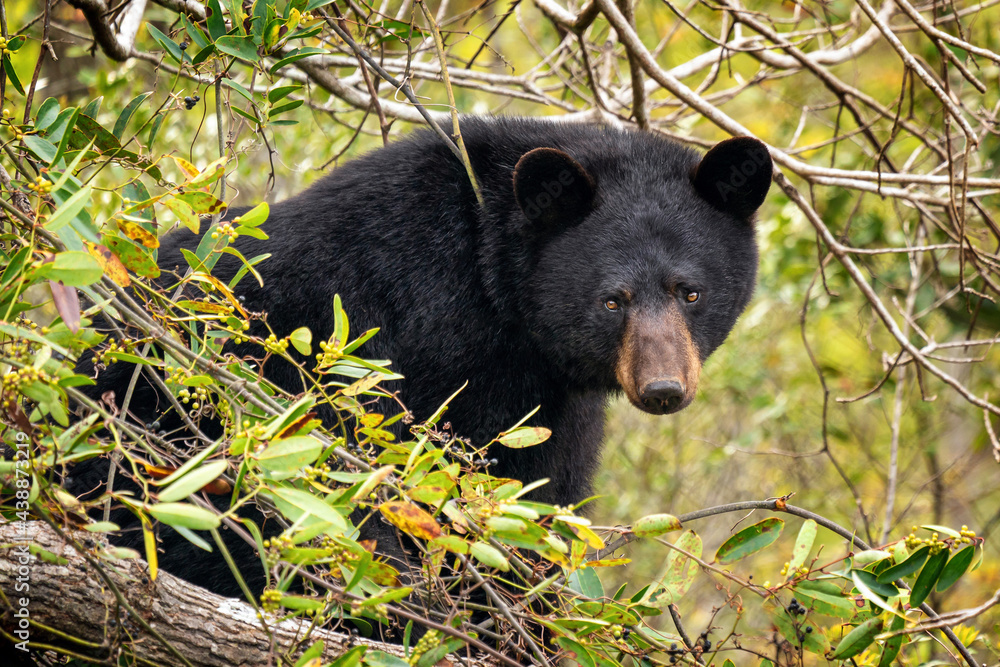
(52, 598)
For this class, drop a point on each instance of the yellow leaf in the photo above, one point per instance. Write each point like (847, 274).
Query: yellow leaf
(185, 166)
(113, 267)
(138, 234)
(411, 519)
(150, 543)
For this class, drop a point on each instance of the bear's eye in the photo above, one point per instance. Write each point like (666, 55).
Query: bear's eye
(612, 305)
(692, 296)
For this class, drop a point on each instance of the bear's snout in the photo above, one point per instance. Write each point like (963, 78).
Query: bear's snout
(662, 396)
(658, 362)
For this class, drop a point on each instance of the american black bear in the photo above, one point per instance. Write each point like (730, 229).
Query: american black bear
(603, 261)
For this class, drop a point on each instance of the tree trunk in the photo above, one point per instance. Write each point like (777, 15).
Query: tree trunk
(72, 610)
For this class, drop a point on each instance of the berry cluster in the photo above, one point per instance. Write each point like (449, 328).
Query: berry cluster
(17, 379)
(275, 346)
(800, 571)
(795, 608)
(225, 229)
(40, 186)
(102, 356)
(935, 542)
(426, 643)
(196, 400)
(20, 350)
(329, 354)
(316, 472)
(270, 600)
(18, 135)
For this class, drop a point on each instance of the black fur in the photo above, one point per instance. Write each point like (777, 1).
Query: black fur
(512, 302)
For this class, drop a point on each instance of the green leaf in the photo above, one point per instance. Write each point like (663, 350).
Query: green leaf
(73, 268)
(575, 652)
(524, 436)
(194, 32)
(437, 654)
(652, 525)
(229, 83)
(68, 172)
(189, 465)
(61, 130)
(65, 213)
(126, 115)
(906, 568)
(296, 56)
(944, 530)
(858, 639)
(300, 603)
(285, 107)
(44, 150)
(387, 596)
(87, 130)
(170, 45)
(316, 4)
(489, 556)
(259, 18)
(863, 559)
(587, 582)
(276, 94)
(750, 540)
(185, 515)
(294, 504)
(892, 645)
(192, 482)
(255, 216)
(928, 577)
(154, 129)
(862, 581)
(238, 47)
(203, 54)
(216, 22)
(383, 659)
(194, 538)
(240, 112)
(102, 527)
(248, 265)
(803, 545)
(8, 67)
(678, 572)
(871, 581)
(825, 603)
(301, 340)
(956, 567)
(352, 658)
(93, 107)
(47, 113)
(289, 454)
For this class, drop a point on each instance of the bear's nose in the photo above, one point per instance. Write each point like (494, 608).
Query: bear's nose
(662, 396)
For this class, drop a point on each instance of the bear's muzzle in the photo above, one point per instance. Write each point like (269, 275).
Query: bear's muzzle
(658, 363)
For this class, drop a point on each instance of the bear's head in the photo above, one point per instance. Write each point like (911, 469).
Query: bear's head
(641, 260)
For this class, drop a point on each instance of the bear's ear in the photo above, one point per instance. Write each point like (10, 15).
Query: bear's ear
(734, 176)
(552, 188)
